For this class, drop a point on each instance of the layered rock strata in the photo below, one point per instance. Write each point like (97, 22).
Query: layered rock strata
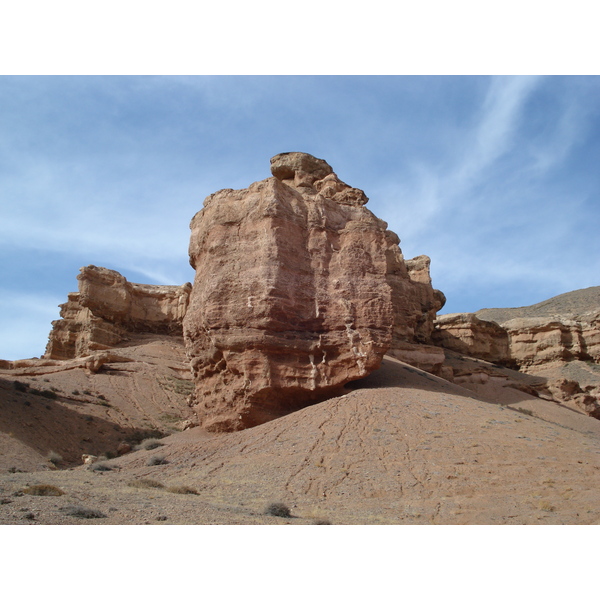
(107, 308)
(521, 342)
(299, 289)
(564, 349)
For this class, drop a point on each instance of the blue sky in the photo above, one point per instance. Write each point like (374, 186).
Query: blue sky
(495, 178)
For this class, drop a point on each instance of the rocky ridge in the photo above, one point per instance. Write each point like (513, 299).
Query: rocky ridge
(107, 308)
(558, 339)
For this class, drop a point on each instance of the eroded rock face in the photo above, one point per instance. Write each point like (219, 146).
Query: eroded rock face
(521, 342)
(467, 334)
(299, 289)
(539, 340)
(107, 307)
(549, 346)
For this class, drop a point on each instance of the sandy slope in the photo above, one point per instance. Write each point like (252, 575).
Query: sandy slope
(404, 447)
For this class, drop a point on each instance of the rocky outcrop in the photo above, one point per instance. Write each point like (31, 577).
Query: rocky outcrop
(539, 340)
(107, 308)
(466, 334)
(415, 304)
(563, 349)
(522, 342)
(299, 289)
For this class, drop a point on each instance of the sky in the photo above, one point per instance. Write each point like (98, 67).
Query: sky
(495, 178)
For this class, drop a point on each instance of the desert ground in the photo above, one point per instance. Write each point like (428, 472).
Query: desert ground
(399, 447)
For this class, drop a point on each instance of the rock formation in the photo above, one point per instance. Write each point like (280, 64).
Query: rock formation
(546, 340)
(522, 342)
(466, 334)
(299, 289)
(107, 308)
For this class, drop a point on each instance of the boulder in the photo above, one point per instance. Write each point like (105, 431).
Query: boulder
(299, 289)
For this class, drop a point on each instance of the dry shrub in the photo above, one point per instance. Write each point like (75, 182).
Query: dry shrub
(54, 457)
(149, 444)
(546, 506)
(182, 489)
(81, 512)
(145, 484)
(100, 466)
(278, 509)
(321, 522)
(156, 460)
(43, 489)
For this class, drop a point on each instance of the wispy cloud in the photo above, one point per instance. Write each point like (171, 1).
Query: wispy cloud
(494, 133)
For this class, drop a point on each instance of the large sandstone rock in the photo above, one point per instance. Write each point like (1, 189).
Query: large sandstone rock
(299, 289)
(107, 307)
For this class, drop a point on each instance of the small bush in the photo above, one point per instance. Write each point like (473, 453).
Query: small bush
(321, 522)
(149, 444)
(20, 386)
(145, 484)
(546, 506)
(182, 489)
(525, 411)
(156, 460)
(278, 509)
(100, 466)
(43, 489)
(143, 434)
(49, 394)
(54, 457)
(83, 513)
(75, 392)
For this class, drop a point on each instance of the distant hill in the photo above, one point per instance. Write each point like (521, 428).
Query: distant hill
(578, 302)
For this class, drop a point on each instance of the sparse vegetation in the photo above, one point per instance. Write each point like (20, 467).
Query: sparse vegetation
(546, 506)
(100, 466)
(149, 444)
(140, 435)
(525, 411)
(82, 512)
(44, 393)
(321, 522)
(43, 489)
(182, 489)
(20, 386)
(54, 457)
(145, 484)
(179, 386)
(156, 460)
(278, 509)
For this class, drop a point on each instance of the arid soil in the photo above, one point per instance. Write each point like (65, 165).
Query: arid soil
(400, 447)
